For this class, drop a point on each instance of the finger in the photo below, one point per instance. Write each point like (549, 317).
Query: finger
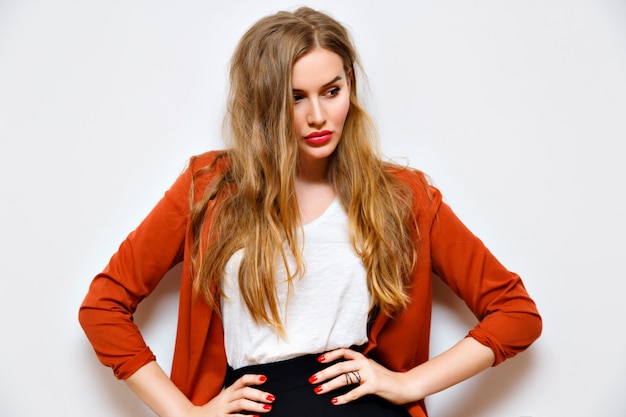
(244, 388)
(343, 380)
(248, 398)
(249, 379)
(350, 378)
(253, 394)
(337, 369)
(341, 353)
(350, 396)
(246, 405)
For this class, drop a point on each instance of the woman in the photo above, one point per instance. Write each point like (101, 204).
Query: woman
(307, 260)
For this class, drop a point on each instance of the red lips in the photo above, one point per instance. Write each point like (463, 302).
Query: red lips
(319, 138)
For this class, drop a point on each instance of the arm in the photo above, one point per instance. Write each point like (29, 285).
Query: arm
(464, 360)
(106, 313)
(142, 260)
(133, 272)
(159, 393)
(508, 318)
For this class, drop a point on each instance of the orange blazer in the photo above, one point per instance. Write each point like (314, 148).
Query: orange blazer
(508, 321)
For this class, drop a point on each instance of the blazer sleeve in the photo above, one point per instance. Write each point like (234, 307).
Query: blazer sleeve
(142, 259)
(508, 318)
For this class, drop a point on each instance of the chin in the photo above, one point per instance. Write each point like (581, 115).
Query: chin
(317, 154)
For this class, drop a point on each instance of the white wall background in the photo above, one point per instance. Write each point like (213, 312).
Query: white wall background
(516, 109)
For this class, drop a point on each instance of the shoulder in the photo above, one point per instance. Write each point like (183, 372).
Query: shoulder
(423, 193)
(203, 168)
(198, 174)
(206, 161)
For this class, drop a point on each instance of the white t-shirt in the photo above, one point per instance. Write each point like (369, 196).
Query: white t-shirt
(327, 309)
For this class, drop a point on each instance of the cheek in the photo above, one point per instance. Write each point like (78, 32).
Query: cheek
(299, 118)
(341, 111)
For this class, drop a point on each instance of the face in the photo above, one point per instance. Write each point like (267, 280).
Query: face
(321, 94)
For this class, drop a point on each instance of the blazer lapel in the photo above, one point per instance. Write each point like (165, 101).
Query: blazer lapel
(377, 325)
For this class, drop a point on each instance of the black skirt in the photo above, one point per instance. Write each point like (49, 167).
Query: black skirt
(288, 382)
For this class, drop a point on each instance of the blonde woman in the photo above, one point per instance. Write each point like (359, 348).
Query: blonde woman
(307, 259)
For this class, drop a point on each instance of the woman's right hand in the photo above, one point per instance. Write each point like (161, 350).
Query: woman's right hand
(240, 396)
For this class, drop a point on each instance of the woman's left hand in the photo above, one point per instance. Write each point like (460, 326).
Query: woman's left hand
(367, 377)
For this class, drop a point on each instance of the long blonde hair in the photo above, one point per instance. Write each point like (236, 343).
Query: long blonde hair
(251, 205)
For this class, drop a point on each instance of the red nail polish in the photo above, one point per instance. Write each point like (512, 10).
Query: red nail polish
(267, 407)
(321, 358)
(334, 401)
(318, 389)
(313, 379)
(263, 378)
(270, 398)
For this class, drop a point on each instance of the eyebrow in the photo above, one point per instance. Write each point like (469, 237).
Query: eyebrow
(334, 80)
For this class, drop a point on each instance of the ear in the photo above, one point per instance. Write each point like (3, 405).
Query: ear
(349, 76)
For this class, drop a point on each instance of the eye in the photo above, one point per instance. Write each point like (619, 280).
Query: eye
(333, 91)
(297, 98)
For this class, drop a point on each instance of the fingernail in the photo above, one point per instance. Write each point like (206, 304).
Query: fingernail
(267, 407)
(270, 398)
(263, 378)
(334, 401)
(321, 358)
(318, 389)
(313, 379)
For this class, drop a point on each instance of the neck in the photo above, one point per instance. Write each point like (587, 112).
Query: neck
(314, 193)
(313, 172)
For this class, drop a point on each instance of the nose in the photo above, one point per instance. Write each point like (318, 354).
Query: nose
(316, 115)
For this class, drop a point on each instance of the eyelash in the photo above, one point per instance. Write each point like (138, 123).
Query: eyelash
(332, 93)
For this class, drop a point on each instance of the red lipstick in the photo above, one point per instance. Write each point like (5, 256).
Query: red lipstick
(319, 138)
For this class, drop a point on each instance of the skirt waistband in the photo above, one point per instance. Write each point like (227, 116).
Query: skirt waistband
(283, 375)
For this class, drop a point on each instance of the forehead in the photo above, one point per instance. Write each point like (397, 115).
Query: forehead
(316, 68)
